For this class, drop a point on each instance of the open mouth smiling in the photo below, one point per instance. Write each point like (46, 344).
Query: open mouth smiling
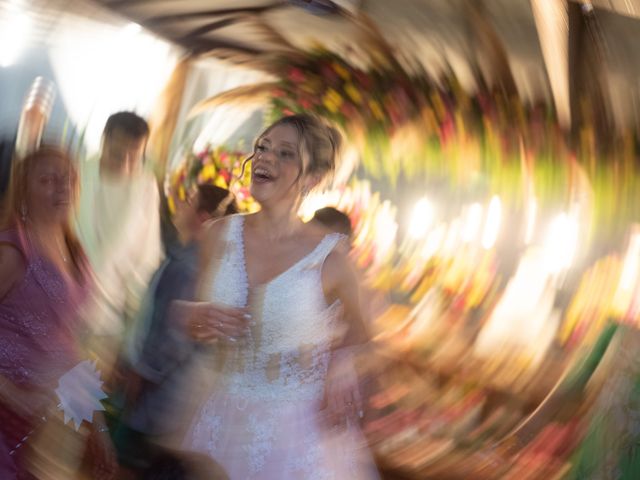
(262, 175)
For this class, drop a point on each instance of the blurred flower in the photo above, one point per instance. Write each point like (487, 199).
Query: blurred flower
(353, 93)
(376, 110)
(342, 71)
(207, 173)
(215, 166)
(296, 75)
(332, 100)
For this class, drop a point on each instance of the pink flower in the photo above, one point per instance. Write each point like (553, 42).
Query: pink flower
(363, 79)
(348, 110)
(305, 103)
(224, 173)
(329, 75)
(296, 75)
(243, 193)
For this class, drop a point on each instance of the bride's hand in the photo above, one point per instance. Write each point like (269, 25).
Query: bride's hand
(342, 393)
(207, 321)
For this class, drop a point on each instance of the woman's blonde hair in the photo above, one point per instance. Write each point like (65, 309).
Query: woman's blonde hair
(319, 146)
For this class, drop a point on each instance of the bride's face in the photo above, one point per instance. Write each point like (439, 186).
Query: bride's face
(276, 167)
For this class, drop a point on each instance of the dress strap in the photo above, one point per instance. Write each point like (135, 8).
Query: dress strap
(234, 229)
(317, 258)
(231, 262)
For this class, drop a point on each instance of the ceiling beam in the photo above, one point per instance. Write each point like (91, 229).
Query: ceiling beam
(201, 46)
(210, 27)
(587, 82)
(552, 25)
(162, 19)
(631, 8)
(489, 55)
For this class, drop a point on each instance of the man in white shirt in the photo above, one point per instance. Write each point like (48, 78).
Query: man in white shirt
(119, 226)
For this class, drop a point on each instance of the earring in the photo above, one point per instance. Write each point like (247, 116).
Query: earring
(23, 212)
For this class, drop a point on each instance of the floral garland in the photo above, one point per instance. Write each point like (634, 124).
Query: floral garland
(326, 84)
(410, 125)
(214, 166)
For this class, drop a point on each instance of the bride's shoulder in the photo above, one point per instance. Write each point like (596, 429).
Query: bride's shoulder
(216, 226)
(213, 231)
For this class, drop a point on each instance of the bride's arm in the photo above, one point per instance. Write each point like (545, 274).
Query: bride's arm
(342, 393)
(340, 283)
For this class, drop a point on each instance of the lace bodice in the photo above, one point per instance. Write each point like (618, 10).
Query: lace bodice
(286, 353)
(263, 419)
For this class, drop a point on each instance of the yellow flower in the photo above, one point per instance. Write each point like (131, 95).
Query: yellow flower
(172, 204)
(376, 110)
(182, 195)
(220, 182)
(332, 100)
(353, 93)
(208, 172)
(340, 70)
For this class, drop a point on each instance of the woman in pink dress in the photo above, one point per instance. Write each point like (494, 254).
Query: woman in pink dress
(280, 302)
(44, 278)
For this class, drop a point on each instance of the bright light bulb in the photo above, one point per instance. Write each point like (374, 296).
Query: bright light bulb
(434, 242)
(472, 225)
(629, 275)
(561, 243)
(531, 220)
(421, 218)
(492, 226)
(453, 234)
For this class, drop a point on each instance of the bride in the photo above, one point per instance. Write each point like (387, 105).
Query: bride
(282, 308)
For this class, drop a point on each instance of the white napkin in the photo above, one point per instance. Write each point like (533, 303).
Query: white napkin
(80, 391)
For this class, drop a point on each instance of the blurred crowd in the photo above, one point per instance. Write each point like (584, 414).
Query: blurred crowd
(116, 309)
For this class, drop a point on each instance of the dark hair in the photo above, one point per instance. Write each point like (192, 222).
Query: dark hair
(169, 465)
(213, 199)
(334, 220)
(128, 123)
(319, 143)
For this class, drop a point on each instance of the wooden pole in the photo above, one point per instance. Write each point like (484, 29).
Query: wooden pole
(165, 117)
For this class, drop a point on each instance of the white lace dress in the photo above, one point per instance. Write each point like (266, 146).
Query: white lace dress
(262, 418)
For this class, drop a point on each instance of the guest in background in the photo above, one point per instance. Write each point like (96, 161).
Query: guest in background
(44, 279)
(334, 220)
(119, 226)
(160, 352)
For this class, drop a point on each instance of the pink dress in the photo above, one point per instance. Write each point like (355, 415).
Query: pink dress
(261, 419)
(37, 342)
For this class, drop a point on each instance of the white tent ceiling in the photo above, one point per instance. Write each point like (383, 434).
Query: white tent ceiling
(438, 32)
